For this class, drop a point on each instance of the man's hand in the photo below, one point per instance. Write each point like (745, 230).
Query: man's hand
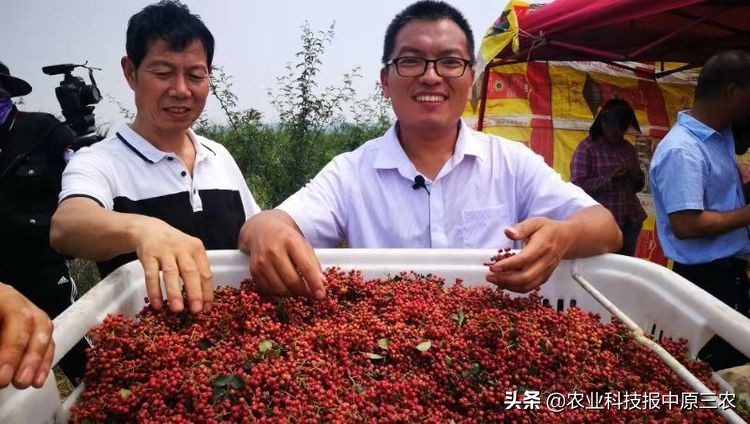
(587, 232)
(83, 229)
(546, 242)
(26, 346)
(282, 262)
(160, 246)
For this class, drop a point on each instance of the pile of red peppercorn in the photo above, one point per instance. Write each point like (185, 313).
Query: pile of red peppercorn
(402, 349)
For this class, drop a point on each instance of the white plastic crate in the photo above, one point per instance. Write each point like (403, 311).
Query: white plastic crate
(658, 300)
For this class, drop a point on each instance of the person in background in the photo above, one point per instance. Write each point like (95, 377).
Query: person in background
(26, 345)
(156, 191)
(606, 166)
(701, 214)
(430, 181)
(32, 150)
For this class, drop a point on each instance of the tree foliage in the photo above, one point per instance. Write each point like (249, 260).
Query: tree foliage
(315, 124)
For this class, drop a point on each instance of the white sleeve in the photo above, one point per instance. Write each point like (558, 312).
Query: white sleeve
(319, 208)
(547, 194)
(88, 174)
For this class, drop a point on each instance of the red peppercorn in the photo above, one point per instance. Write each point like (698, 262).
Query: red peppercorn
(398, 350)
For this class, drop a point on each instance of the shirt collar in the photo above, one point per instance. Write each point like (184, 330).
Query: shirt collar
(391, 154)
(469, 144)
(149, 152)
(700, 130)
(10, 121)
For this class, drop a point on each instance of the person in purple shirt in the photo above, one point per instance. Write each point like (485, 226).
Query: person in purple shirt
(606, 166)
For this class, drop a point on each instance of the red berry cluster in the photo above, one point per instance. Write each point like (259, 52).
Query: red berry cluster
(402, 349)
(501, 254)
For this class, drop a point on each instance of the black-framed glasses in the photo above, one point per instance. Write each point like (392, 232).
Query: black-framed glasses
(413, 66)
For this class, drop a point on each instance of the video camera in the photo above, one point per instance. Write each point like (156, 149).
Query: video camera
(77, 100)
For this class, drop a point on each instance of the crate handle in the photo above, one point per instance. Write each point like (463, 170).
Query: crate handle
(668, 359)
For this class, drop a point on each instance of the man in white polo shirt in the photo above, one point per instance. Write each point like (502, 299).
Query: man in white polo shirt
(430, 181)
(156, 190)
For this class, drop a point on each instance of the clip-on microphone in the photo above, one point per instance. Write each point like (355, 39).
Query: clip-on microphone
(419, 182)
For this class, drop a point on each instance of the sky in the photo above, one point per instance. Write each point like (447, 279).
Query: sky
(254, 42)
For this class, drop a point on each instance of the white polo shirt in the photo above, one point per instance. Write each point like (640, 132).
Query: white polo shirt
(126, 173)
(366, 197)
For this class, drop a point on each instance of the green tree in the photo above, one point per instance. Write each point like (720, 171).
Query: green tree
(221, 89)
(316, 124)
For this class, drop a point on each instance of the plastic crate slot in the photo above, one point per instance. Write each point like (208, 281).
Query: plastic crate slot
(545, 302)
(653, 329)
(661, 333)
(572, 303)
(560, 305)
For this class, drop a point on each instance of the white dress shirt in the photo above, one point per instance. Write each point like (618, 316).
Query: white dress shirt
(366, 197)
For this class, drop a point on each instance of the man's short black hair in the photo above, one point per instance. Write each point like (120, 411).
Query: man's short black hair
(426, 10)
(722, 69)
(168, 20)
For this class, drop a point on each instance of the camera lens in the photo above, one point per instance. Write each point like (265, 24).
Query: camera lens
(90, 95)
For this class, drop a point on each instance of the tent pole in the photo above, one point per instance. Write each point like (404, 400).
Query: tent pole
(483, 96)
(666, 37)
(672, 71)
(709, 22)
(630, 68)
(601, 54)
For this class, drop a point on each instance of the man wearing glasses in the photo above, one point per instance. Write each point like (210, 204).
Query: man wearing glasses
(430, 181)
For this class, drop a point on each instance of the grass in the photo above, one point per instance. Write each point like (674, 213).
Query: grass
(85, 274)
(64, 386)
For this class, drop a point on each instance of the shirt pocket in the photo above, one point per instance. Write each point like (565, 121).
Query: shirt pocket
(485, 228)
(35, 175)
